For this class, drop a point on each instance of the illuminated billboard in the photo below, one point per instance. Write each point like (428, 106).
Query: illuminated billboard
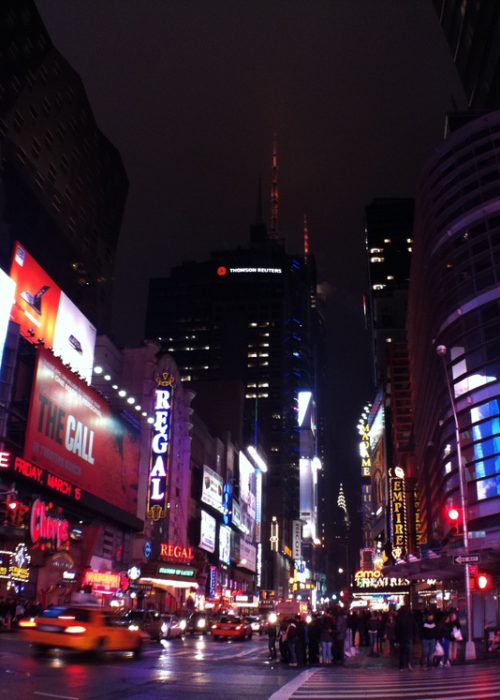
(72, 433)
(225, 544)
(207, 532)
(7, 289)
(211, 492)
(45, 314)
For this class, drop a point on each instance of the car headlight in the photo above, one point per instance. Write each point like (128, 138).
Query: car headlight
(238, 627)
(182, 624)
(133, 628)
(75, 629)
(214, 627)
(164, 627)
(201, 623)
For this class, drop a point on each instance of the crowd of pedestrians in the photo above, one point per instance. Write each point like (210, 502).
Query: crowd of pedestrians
(318, 640)
(327, 638)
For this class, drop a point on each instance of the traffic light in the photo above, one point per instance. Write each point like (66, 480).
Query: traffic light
(454, 515)
(483, 582)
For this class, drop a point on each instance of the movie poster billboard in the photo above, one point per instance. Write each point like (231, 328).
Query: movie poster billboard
(45, 314)
(72, 432)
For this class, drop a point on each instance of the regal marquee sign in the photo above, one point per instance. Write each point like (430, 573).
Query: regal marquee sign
(157, 503)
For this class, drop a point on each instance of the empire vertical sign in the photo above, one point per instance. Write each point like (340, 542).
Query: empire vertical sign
(157, 504)
(398, 512)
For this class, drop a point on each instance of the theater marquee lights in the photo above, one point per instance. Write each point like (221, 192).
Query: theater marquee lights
(157, 503)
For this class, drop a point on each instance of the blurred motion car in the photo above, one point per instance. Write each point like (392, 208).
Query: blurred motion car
(79, 628)
(231, 626)
(255, 623)
(147, 621)
(172, 627)
(197, 623)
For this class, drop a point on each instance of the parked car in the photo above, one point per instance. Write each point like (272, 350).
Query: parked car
(231, 626)
(147, 621)
(79, 628)
(172, 626)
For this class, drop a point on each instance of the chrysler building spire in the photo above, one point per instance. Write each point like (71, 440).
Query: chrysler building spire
(306, 239)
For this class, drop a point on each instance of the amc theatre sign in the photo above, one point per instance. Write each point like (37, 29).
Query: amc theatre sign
(157, 503)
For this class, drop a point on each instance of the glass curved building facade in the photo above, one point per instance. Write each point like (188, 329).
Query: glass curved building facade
(455, 301)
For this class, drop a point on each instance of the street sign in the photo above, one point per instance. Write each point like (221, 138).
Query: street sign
(466, 559)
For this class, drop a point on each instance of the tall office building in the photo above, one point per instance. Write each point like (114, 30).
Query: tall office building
(250, 314)
(62, 183)
(472, 29)
(454, 302)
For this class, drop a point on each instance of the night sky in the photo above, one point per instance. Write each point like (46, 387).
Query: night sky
(191, 92)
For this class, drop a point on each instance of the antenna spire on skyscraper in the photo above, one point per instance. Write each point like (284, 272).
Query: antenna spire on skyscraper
(306, 239)
(274, 234)
(341, 502)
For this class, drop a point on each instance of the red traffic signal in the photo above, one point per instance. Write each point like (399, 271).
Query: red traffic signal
(453, 514)
(483, 582)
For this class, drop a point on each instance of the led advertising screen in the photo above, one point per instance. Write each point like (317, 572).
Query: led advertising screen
(207, 532)
(74, 338)
(72, 432)
(211, 492)
(37, 298)
(46, 314)
(225, 544)
(7, 289)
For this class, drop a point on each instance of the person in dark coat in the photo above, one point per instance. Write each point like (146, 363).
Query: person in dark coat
(313, 640)
(272, 636)
(339, 637)
(405, 634)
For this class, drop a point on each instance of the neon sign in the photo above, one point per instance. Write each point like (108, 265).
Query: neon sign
(176, 552)
(50, 532)
(160, 448)
(399, 528)
(375, 579)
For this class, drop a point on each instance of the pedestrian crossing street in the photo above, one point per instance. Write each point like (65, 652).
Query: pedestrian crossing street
(469, 682)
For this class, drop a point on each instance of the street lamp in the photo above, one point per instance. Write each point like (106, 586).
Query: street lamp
(470, 649)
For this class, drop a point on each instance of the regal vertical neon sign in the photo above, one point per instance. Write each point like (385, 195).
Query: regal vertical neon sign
(160, 448)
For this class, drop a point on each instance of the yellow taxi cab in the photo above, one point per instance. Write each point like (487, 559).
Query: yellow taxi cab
(79, 628)
(231, 626)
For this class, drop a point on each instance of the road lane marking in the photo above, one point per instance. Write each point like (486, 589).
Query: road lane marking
(53, 695)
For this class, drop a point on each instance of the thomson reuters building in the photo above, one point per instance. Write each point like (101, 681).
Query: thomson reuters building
(455, 303)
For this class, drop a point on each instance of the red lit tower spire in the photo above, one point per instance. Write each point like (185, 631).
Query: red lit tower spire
(274, 234)
(306, 239)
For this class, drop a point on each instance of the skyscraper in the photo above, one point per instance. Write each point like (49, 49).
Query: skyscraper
(250, 314)
(62, 183)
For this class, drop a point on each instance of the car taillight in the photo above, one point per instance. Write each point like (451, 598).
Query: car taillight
(27, 623)
(75, 629)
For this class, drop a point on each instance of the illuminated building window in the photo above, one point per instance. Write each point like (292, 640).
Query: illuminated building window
(264, 324)
(251, 386)
(187, 378)
(170, 349)
(275, 449)
(264, 384)
(387, 240)
(263, 396)
(252, 325)
(376, 259)
(376, 250)
(409, 249)
(409, 240)
(277, 416)
(377, 287)
(250, 396)
(263, 354)
(388, 340)
(390, 277)
(263, 364)
(252, 354)
(264, 345)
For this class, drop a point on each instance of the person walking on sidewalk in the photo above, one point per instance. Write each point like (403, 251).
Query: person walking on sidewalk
(405, 634)
(291, 639)
(272, 634)
(429, 636)
(326, 639)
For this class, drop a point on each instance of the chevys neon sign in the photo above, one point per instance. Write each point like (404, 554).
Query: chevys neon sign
(160, 448)
(176, 552)
(50, 532)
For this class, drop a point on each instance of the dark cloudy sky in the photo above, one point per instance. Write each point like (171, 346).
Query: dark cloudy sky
(191, 91)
